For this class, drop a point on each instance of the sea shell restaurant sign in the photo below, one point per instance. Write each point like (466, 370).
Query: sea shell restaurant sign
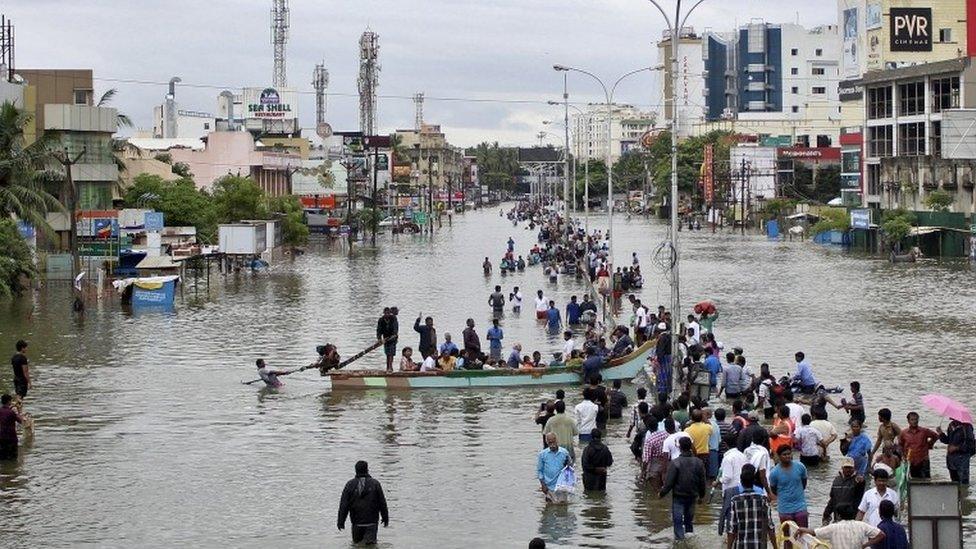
(269, 103)
(911, 29)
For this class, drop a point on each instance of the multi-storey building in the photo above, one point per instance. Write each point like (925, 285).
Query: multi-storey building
(589, 130)
(775, 80)
(434, 162)
(691, 81)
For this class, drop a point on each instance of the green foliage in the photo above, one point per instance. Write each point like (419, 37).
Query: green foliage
(183, 170)
(16, 262)
(165, 158)
(181, 203)
(776, 207)
(825, 188)
(938, 201)
(237, 198)
(23, 170)
(832, 219)
(598, 182)
(497, 166)
(288, 210)
(896, 224)
(691, 153)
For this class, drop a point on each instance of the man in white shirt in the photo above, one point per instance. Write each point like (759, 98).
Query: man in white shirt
(515, 298)
(758, 456)
(670, 445)
(796, 412)
(429, 363)
(731, 467)
(694, 330)
(871, 500)
(568, 345)
(541, 306)
(586, 412)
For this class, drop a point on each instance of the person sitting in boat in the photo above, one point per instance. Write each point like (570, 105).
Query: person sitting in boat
(624, 345)
(527, 363)
(429, 364)
(446, 362)
(537, 360)
(448, 346)
(269, 376)
(575, 359)
(557, 361)
(515, 357)
(406, 361)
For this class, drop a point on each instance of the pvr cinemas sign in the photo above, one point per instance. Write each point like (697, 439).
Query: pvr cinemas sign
(911, 29)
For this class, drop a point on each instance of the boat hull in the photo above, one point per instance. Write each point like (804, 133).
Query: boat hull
(623, 368)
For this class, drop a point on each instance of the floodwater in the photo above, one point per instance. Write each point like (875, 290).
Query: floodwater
(145, 435)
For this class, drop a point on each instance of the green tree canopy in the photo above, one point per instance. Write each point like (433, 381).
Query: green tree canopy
(24, 170)
(239, 198)
(181, 203)
(497, 166)
(16, 262)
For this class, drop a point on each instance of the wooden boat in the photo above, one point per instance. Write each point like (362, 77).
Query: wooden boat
(625, 367)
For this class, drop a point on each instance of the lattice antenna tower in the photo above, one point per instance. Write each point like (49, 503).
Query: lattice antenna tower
(418, 101)
(280, 21)
(320, 82)
(369, 48)
(7, 48)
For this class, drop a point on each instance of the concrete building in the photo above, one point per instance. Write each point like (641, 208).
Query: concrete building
(904, 154)
(237, 153)
(53, 87)
(87, 130)
(691, 81)
(773, 80)
(885, 34)
(187, 124)
(433, 161)
(589, 130)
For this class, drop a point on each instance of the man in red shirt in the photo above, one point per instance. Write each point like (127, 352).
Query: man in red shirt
(915, 443)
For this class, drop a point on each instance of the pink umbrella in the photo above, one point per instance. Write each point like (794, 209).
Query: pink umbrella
(947, 407)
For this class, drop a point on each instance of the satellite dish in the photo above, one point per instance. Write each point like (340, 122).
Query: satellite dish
(323, 130)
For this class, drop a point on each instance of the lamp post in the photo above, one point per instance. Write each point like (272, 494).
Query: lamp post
(609, 156)
(675, 26)
(586, 171)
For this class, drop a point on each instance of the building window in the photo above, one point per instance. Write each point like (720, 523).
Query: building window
(879, 141)
(911, 98)
(935, 139)
(879, 102)
(911, 139)
(874, 178)
(795, 108)
(945, 93)
(819, 52)
(795, 89)
(945, 35)
(818, 71)
(819, 90)
(206, 125)
(794, 52)
(794, 71)
(82, 97)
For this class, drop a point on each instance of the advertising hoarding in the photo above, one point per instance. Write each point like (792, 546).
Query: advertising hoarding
(910, 29)
(270, 104)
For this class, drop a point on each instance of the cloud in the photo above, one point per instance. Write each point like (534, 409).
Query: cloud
(502, 50)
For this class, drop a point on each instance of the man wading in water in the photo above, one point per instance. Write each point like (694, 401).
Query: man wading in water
(269, 376)
(364, 503)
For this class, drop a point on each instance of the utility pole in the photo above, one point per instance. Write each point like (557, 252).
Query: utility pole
(67, 162)
(373, 220)
(566, 147)
(742, 196)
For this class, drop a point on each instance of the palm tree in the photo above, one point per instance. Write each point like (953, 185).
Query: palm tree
(24, 170)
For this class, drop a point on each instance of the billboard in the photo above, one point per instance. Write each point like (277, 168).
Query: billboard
(910, 29)
(270, 104)
(809, 153)
(708, 178)
(850, 55)
(872, 16)
(861, 219)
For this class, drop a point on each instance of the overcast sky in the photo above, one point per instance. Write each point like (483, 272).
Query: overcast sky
(499, 50)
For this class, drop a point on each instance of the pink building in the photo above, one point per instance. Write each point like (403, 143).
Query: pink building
(236, 153)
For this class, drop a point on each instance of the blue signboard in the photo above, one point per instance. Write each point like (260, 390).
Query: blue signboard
(861, 219)
(154, 222)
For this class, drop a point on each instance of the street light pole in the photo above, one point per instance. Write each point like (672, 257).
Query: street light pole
(608, 94)
(675, 27)
(566, 148)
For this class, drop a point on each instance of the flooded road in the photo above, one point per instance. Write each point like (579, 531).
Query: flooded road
(145, 435)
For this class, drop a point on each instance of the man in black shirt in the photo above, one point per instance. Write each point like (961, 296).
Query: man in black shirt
(22, 381)
(364, 503)
(387, 328)
(596, 459)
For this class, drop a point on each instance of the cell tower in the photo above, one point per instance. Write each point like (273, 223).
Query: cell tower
(418, 101)
(369, 49)
(320, 81)
(280, 17)
(7, 48)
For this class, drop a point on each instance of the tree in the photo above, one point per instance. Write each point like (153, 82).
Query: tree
(896, 225)
(239, 198)
(938, 201)
(181, 203)
(23, 170)
(498, 167)
(288, 210)
(183, 170)
(16, 261)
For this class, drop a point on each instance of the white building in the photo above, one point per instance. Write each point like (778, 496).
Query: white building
(589, 130)
(691, 79)
(773, 79)
(185, 124)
